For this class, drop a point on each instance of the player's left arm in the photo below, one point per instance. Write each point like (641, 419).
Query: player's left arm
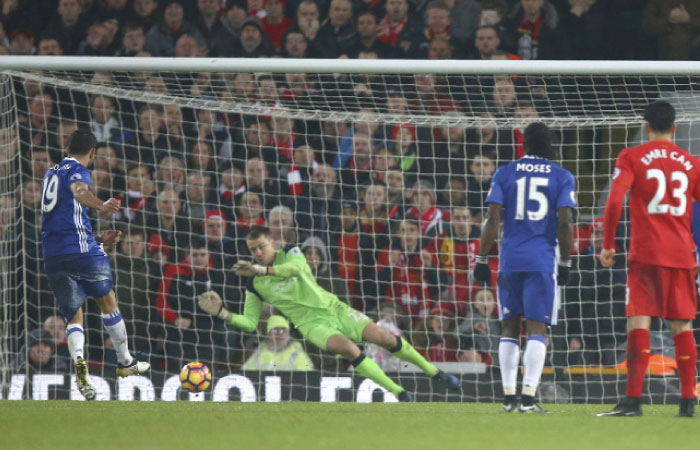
(565, 236)
(489, 234)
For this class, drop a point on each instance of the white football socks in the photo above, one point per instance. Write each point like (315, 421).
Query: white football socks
(533, 360)
(508, 359)
(116, 328)
(75, 336)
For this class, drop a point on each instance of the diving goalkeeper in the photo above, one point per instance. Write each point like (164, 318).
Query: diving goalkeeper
(284, 279)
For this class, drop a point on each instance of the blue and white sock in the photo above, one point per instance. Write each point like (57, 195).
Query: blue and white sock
(75, 336)
(533, 360)
(116, 328)
(508, 359)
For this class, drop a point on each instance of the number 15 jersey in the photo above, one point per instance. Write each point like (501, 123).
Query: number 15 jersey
(531, 190)
(663, 180)
(65, 225)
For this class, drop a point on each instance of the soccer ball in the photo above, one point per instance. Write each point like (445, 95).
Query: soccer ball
(195, 377)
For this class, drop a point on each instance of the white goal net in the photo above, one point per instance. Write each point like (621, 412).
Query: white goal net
(378, 174)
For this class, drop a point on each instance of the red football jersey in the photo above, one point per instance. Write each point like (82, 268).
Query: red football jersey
(664, 180)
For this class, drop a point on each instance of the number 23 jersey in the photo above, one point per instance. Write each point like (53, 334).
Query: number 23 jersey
(531, 190)
(664, 181)
(65, 225)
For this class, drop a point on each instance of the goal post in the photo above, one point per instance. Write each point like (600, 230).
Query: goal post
(377, 170)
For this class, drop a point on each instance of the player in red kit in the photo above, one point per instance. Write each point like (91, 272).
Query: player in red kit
(663, 180)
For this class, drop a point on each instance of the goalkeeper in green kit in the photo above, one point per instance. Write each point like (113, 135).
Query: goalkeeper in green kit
(284, 279)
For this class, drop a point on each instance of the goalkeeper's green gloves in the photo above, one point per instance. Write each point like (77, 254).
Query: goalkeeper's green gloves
(211, 303)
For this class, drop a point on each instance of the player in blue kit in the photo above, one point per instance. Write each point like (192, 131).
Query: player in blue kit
(75, 262)
(536, 199)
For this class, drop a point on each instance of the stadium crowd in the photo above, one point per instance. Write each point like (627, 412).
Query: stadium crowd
(387, 215)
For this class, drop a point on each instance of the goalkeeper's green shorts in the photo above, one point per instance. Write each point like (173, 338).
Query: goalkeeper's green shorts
(342, 319)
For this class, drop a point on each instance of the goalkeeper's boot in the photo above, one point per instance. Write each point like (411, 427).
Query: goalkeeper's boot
(446, 381)
(135, 368)
(510, 404)
(405, 396)
(687, 407)
(529, 406)
(82, 379)
(630, 406)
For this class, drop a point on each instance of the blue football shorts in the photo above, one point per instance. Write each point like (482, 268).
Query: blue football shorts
(73, 278)
(533, 295)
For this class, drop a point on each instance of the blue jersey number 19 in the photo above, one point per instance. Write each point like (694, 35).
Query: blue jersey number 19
(50, 193)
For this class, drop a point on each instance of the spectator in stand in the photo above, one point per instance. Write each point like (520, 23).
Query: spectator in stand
(49, 46)
(267, 94)
(481, 328)
(486, 41)
(56, 326)
(224, 41)
(442, 341)
(140, 193)
(133, 39)
(357, 171)
(595, 319)
(487, 139)
(39, 162)
(395, 182)
(366, 39)
(465, 15)
(319, 260)
(107, 160)
(255, 142)
(403, 137)
(448, 155)
(318, 212)
(534, 24)
(481, 170)
(34, 130)
(250, 212)
(676, 26)
(338, 30)
(300, 171)
(149, 144)
(104, 120)
(281, 224)
(68, 27)
(207, 20)
(432, 96)
(438, 26)
(39, 356)
(19, 14)
(145, 13)
(253, 42)
(279, 353)
(190, 333)
(425, 209)
(135, 278)
(308, 20)
(95, 42)
(168, 229)
(171, 173)
(257, 178)
(346, 252)
(407, 272)
(22, 43)
(275, 23)
(583, 27)
(295, 45)
(197, 196)
(221, 247)
(201, 158)
(505, 98)
(398, 28)
(161, 38)
(440, 49)
(283, 139)
(174, 129)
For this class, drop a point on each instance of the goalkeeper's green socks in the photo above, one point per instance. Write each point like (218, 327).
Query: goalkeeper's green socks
(369, 369)
(405, 351)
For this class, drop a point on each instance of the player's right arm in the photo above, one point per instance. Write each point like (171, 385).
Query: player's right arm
(623, 177)
(211, 303)
(81, 192)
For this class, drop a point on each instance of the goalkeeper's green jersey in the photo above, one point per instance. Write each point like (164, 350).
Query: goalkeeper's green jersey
(293, 290)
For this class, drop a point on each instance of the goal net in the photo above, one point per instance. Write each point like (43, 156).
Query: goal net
(377, 173)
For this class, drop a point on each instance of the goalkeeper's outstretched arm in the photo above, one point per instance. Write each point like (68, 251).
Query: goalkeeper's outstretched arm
(211, 303)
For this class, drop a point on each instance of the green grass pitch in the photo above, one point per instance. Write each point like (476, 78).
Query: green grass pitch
(61, 424)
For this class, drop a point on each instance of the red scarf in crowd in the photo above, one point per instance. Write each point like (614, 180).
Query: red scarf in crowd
(430, 35)
(135, 203)
(245, 224)
(431, 218)
(389, 32)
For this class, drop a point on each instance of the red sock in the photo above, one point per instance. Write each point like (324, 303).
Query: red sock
(686, 358)
(637, 360)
